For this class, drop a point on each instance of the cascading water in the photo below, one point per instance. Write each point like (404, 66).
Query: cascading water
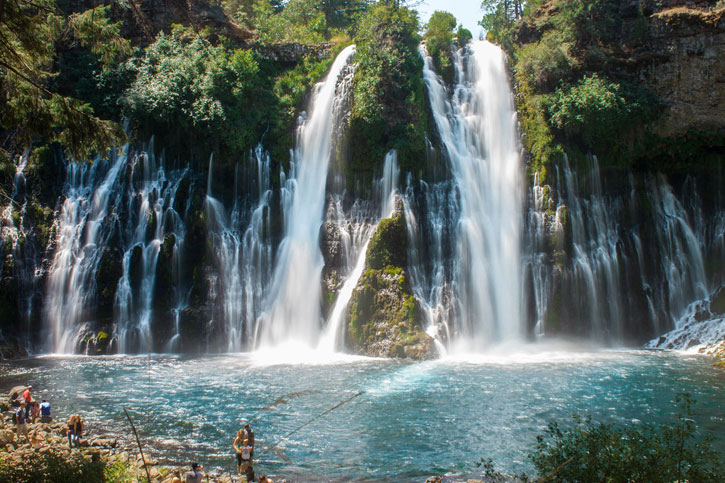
(294, 301)
(595, 258)
(243, 255)
(360, 228)
(620, 282)
(431, 212)
(17, 237)
(541, 228)
(152, 221)
(81, 237)
(477, 127)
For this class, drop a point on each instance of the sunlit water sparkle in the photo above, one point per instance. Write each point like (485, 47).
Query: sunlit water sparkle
(413, 420)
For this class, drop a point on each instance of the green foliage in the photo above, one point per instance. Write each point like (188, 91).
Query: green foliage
(186, 84)
(388, 245)
(51, 467)
(118, 471)
(544, 64)
(304, 21)
(31, 32)
(388, 106)
(463, 36)
(603, 452)
(499, 19)
(439, 41)
(299, 21)
(593, 112)
(82, 76)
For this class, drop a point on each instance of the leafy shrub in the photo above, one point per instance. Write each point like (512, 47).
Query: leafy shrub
(463, 35)
(544, 64)
(439, 40)
(604, 452)
(185, 84)
(388, 105)
(298, 21)
(591, 451)
(304, 21)
(51, 467)
(592, 112)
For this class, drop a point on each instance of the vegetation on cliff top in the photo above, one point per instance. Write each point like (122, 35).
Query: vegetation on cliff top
(30, 105)
(572, 94)
(439, 37)
(388, 105)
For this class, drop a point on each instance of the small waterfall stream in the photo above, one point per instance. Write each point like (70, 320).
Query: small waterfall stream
(355, 246)
(294, 298)
(17, 236)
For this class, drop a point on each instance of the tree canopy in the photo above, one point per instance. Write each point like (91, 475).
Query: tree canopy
(31, 33)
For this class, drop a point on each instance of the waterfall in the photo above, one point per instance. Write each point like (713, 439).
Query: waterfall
(243, 254)
(388, 184)
(18, 237)
(151, 220)
(431, 212)
(355, 242)
(594, 223)
(477, 127)
(542, 226)
(80, 239)
(682, 262)
(294, 301)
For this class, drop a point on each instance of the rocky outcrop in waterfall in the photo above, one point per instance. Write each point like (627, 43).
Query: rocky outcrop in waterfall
(384, 319)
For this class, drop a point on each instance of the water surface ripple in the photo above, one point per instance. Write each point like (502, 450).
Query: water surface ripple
(412, 421)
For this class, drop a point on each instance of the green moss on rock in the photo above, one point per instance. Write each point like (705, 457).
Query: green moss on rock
(388, 245)
(383, 318)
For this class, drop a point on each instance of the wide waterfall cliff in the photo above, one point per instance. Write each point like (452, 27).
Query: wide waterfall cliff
(420, 227)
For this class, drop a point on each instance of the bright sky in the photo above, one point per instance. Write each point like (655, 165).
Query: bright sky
(467, 12)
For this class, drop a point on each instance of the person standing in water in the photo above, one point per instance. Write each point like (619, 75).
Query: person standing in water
(28, 398)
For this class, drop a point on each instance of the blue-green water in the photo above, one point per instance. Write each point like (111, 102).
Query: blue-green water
(412, 421)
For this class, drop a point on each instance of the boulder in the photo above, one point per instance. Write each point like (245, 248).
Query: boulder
(384, 319)
(7, 436)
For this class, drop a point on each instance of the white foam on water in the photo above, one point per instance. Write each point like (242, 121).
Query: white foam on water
(299, 353)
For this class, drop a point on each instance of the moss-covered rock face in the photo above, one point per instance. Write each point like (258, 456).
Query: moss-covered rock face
(383, 318)
(388, 246)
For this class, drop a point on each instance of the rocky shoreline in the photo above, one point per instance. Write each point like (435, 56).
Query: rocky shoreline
(49, 442)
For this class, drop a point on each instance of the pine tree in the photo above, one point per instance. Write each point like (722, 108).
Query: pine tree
(30, 33)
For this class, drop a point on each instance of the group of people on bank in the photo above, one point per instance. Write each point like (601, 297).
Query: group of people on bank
(30, 410)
